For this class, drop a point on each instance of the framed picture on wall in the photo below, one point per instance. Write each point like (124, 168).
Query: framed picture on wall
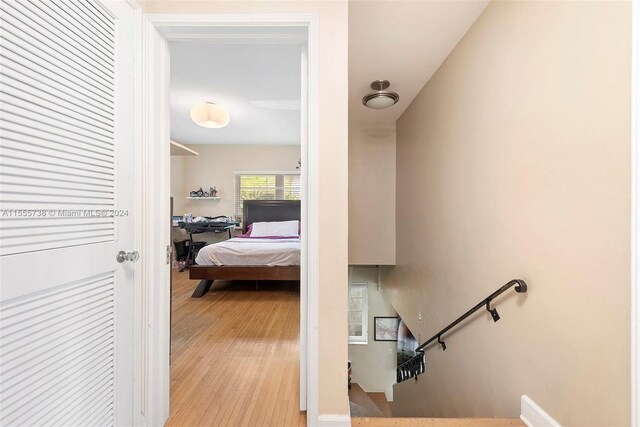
(385, 328)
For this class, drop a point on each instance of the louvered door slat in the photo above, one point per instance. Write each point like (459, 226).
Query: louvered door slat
(47, 29)
(8, 171)
(43, 100)
(77, 123)
(10, 187)
(55, 151)
(77, 60)
(75, 162)
(18, 184)
(9, 222)
(45, 166)
(34, 80)
(35, 53)
(64, 17)
(24, 63)
(20, 122)
(38, 138)
(102, 25)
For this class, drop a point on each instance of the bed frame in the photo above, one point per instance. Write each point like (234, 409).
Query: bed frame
(253, 211)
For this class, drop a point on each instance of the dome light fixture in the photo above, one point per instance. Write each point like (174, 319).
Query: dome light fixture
(381, 98)
(210, 115)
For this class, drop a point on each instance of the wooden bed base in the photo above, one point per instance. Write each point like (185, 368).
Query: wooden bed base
(209, 273)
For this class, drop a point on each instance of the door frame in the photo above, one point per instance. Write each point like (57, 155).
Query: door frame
(635, 213)
(152, 379)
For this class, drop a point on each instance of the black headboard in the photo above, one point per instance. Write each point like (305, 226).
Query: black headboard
(269, 210)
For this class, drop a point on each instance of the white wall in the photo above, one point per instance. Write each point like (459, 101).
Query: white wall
(374, 363)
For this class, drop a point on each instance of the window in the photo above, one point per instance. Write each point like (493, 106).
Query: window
(358, 313)
(265, 186)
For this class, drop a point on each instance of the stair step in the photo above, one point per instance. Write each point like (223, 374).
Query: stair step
(435, 422)
(381, 403)
(361, 404)
(363, 412)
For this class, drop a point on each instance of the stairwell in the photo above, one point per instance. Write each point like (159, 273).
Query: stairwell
(373, 410)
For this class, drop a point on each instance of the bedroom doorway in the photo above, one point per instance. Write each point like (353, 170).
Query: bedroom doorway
(289, 180)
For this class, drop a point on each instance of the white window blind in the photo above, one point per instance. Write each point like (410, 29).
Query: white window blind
(358, 313)
(265, 186)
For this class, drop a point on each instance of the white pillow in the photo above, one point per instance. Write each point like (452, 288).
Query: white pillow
(275, 229)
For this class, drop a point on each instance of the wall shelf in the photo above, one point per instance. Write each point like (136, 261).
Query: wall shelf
(203, 198)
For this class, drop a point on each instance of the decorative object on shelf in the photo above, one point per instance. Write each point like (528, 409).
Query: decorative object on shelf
(209, 115)
(386, 328)
(201, 194)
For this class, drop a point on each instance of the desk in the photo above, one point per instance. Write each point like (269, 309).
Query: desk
(204, 227)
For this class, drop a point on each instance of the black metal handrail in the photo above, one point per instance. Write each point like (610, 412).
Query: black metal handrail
(416, 365)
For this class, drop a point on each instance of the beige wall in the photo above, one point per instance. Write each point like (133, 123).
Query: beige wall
(372, 194)
(374, 363)
(513, 161)
(215, 167)
(333, 160)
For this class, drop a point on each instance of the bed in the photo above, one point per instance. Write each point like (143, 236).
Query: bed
(252, 259)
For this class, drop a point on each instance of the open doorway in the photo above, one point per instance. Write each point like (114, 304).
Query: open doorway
(236, 128)
(153, 324)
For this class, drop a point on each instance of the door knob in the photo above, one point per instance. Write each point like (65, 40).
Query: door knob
(123, 256)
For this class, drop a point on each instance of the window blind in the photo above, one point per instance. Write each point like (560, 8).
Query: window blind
(265, 186)
(358, 313)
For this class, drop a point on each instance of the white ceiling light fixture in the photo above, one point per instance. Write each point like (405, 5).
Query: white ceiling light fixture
(210, 115)
(381, 98)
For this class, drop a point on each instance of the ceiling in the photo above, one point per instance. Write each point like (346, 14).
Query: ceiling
(404, 42)
(257, 82)
(255, 74)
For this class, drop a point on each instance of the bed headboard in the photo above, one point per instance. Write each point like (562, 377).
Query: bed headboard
(269, 210)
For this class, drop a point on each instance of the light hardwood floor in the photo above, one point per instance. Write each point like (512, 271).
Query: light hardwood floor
(235, 355)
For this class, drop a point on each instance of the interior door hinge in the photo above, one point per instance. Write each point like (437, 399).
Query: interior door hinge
(169, 252)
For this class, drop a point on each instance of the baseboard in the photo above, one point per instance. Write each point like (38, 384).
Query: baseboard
(334, 420)
(533, 415)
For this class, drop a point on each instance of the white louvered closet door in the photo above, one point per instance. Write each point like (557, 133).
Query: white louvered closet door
(66, 192)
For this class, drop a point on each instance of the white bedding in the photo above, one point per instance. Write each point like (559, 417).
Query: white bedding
(251, 251)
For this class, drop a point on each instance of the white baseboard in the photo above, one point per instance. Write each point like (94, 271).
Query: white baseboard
(334, 420)
(533, 415)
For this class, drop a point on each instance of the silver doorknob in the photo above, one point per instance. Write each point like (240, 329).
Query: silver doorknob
(123, 256)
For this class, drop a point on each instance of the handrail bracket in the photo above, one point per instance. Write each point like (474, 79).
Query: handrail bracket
(493, 311)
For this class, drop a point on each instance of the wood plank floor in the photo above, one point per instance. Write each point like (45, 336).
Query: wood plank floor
(235, 355)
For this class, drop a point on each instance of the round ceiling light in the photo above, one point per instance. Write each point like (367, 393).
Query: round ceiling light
(210, 115)
(381, 98)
